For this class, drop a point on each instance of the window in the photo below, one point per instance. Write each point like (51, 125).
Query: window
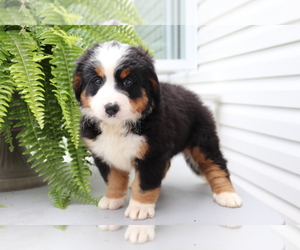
(170, 32)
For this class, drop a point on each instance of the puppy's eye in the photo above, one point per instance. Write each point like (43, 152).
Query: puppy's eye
(98, 81)
(127, 82)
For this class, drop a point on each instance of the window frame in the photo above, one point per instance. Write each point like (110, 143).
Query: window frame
(169, 66)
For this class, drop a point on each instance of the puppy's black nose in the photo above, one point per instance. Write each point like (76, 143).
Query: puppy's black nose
(111, 109)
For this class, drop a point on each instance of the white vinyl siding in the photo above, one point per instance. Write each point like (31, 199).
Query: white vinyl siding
(249, 65)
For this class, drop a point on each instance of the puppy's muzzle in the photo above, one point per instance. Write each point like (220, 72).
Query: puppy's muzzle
(111, 109)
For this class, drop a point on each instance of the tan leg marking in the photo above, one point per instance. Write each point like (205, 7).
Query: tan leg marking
(224, 193)
(117, 183)
(145, 197)
(216, 177)
(116, 190)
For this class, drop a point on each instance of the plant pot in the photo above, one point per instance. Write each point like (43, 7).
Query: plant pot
(15, 172)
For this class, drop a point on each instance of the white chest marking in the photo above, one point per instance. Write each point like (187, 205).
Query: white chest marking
(115, 148)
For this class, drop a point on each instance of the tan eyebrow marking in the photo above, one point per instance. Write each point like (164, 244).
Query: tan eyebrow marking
(125, 72)
(100, 71)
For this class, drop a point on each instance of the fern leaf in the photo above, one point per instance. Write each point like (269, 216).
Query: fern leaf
(6, 91)
(60, 197)
(64, 57)
(27, 74)
(123, 11)
(90, 34)
(133, 17)
(78, 167)
(53, 13)
(53, 113)
(47, 159)
(5, 130)
(14, 13)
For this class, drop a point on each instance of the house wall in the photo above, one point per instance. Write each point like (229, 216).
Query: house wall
(249, 68)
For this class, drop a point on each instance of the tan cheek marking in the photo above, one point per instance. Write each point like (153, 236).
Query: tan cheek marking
(85, 100)
(117, 184)
(140, 104)
(144, 147)
(216, 177)
(145, 197)
(125, 73)
(100, 71)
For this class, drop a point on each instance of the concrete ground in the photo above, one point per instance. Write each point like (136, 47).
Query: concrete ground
(186, 218)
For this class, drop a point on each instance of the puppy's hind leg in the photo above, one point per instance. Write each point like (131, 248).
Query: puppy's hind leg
(216, 174)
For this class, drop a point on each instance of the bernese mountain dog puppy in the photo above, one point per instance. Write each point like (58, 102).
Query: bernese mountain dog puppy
(132, 121)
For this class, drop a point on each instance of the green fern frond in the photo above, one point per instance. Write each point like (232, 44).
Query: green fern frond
(123, 11)
(6, 91)
(53, 113)
(91, 34)
(60, 197)
(14, 13)
(4, 55)
(38, 64)
(78, 167)
(133, 17)
(5, 130)
(65, 57)
(62, 12)
(53, 117)
(26, 74)
(54, 13)
(47, 159)
(68, 39)
(127, 34)
(62, 80)
(101, 33)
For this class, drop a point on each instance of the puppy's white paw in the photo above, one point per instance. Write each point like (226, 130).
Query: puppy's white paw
(139, 211)
(107, 203)
(227, 199)
(109, 227)
(140, 233)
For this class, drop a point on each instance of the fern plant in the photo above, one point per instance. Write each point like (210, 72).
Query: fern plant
(36, 63)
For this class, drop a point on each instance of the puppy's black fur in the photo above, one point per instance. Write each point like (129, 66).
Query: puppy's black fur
(173, 120)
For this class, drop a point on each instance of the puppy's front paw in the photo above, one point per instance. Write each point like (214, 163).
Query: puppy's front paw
(139, 211)
(227, 199)
(140, 233)
(107, 203)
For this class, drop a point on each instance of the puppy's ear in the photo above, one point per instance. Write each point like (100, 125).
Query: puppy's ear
(154, 86)
(148, 63)
(77, 78)
(77, 83)
(78, 72)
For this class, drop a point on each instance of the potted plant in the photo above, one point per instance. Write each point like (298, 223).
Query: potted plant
(36, 64)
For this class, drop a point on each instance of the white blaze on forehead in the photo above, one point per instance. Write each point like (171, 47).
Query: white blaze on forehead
(110, 56)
